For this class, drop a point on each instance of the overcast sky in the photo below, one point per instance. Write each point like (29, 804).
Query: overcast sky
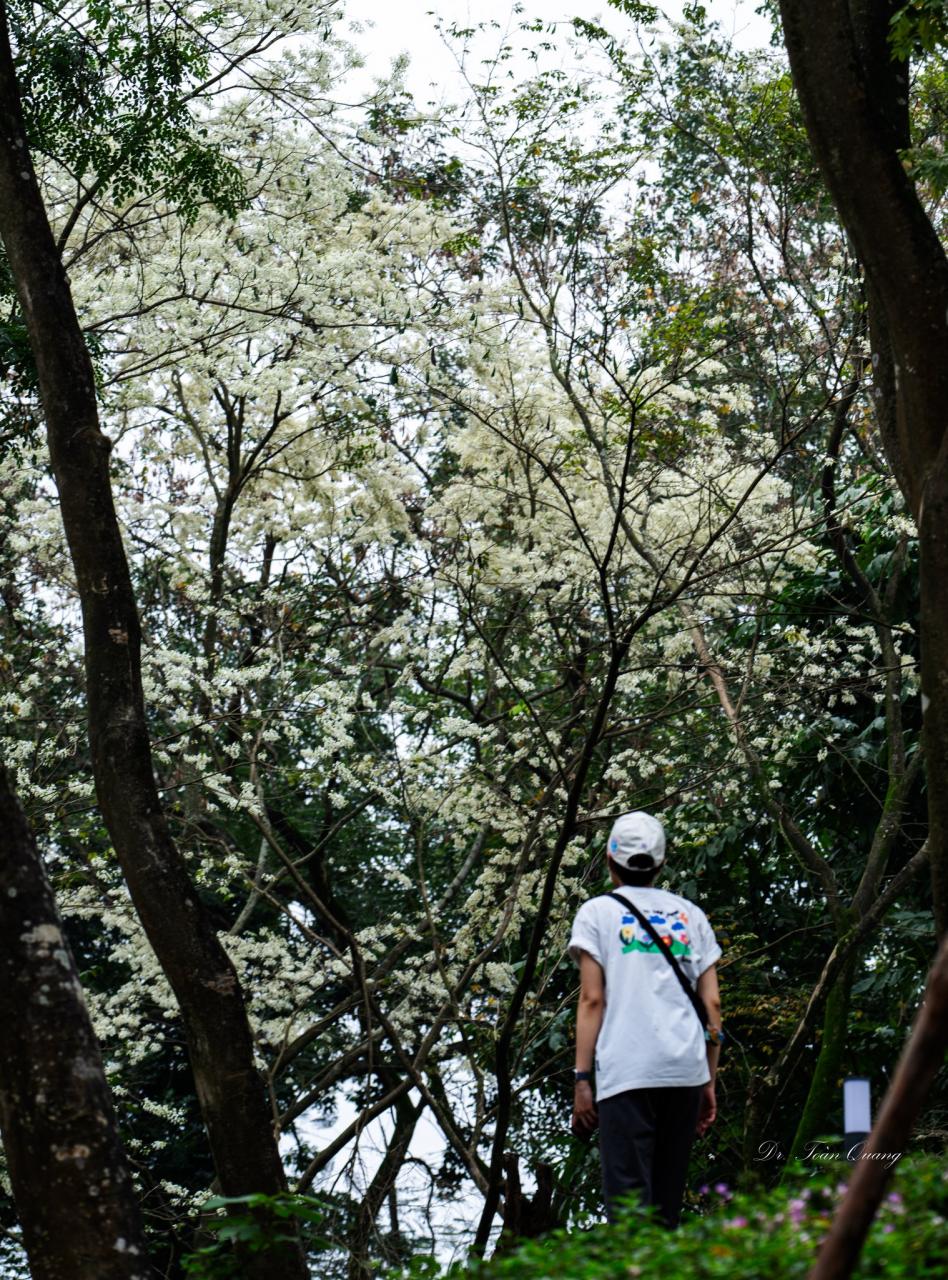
(406, 26)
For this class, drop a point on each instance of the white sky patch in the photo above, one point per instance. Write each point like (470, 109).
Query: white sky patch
(394, 28)
(422, 1208)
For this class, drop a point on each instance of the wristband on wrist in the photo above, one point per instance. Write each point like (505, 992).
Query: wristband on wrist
(582, 1075)
(714, 1035)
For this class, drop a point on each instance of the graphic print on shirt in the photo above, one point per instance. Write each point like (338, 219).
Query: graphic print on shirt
(671, 927)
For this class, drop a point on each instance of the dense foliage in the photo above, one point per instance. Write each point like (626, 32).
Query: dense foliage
(484, 473)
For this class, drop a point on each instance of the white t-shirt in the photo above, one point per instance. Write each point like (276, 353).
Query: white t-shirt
(650, 1033)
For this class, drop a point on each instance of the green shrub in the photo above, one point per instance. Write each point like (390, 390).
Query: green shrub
(744, 1236)
(245, 1225)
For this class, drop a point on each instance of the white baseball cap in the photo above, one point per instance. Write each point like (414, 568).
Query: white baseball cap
(637, 835)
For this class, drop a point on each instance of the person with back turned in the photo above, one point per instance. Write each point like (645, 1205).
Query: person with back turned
(648, 1024)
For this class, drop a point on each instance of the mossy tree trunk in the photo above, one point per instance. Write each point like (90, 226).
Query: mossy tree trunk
(825, 1083)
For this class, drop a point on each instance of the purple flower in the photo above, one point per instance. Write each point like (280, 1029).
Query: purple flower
(888, 1229)
(736, 1222)
(797, 1209)
(703, 1189)
(722, 1189)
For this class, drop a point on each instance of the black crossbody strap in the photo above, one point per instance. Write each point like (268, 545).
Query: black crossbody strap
(696, 1001)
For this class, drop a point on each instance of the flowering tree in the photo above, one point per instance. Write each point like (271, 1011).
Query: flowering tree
(475, 483)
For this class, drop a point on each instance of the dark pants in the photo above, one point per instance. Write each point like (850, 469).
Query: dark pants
(645, 1138)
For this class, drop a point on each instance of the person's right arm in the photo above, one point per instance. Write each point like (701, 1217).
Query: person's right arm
(710, 993)
(588, 1024)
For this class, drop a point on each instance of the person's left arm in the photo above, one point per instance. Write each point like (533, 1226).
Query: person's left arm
(592, 1002)
(709, 992)
(709, 952)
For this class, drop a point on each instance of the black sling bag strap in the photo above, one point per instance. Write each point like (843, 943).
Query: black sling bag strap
(696, 1001)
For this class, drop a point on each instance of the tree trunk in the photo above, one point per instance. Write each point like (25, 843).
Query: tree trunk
(933, 588)
(526, 1217)
(824, 1084)
(70, 1179)
(229, 1087)
(855, 102)
(363, 1228)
